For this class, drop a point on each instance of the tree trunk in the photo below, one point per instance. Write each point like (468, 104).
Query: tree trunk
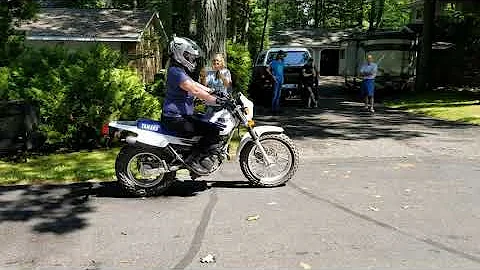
(322, 12)
(246, 27)
(234, 20)
(372, 15)
(316, 14)
(264, 24)
(379, 13)
(423, 68)
(360, 14)
(213, 26)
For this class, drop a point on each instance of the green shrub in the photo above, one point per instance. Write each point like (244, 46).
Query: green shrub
(240, 65)
(77, 89)
(4, 79)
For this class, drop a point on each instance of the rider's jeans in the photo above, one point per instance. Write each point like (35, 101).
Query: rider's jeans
(188, 126)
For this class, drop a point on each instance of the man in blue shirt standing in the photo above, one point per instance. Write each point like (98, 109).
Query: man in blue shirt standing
(369, 72)
(275, 69)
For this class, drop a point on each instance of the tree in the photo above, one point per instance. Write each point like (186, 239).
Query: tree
(267, 5)
(213, 29)
(423, 66)
(12, 12)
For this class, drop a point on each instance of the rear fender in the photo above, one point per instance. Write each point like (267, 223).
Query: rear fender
(260, 130)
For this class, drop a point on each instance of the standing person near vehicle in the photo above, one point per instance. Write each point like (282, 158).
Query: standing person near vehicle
(178, 106)
(308, 81)
(219, 78)
(275, 69)
(369, 72)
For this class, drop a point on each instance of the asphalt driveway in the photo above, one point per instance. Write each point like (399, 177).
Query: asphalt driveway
(389, 190)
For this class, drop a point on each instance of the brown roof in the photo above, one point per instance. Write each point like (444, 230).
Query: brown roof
(87, 24)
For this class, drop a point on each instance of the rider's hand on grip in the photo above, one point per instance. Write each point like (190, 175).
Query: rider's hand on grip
(225, 102)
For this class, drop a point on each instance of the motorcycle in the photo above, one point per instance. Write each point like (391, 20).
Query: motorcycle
(147, 165)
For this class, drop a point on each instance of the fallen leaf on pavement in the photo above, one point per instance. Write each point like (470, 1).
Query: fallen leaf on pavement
(208, 259)
(305, 265)
(407, 190)
(378, 196)
(252, 218)
(405, 207)
(272, 203)
(373, 208)
(123, 233)
(406, 165)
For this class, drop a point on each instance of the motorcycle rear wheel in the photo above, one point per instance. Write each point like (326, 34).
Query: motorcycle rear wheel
(250, 157)
(134, 161)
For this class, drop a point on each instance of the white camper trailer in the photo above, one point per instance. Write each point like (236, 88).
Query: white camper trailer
(394, 52)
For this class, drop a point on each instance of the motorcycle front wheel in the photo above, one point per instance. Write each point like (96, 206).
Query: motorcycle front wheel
(281, 152)
(142, 172)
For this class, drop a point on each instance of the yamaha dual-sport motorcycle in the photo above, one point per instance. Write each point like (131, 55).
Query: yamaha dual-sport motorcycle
(147, 165)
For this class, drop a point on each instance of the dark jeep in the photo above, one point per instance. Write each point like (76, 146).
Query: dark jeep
(261, 85)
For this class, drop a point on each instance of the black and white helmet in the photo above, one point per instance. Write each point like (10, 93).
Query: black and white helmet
(185, 51)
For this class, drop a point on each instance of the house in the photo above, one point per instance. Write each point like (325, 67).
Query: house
(324, 44)
(138, 34)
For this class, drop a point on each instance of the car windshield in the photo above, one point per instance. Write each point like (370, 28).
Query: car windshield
(292, 58)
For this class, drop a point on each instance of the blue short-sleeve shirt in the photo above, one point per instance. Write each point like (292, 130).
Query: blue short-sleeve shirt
(277, 68)
(177, 102)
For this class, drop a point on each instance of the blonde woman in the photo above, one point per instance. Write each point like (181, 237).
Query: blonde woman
(219, 77)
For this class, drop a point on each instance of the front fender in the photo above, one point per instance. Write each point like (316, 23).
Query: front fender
(260, 130)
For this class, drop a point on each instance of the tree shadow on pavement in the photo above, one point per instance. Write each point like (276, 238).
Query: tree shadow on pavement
(340, 118)
(53, 209)
(61, 209)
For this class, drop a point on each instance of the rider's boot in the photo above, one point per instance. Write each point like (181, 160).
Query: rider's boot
(194, 162)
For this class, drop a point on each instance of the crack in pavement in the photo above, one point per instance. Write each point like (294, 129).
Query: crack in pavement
(199, 233)
(425, 240)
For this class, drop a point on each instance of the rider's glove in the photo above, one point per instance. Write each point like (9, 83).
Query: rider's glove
(224, 102)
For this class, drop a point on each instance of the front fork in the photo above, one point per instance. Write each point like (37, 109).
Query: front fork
(254, 135)
(256, 140)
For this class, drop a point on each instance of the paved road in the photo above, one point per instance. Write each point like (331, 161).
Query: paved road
(389, 190)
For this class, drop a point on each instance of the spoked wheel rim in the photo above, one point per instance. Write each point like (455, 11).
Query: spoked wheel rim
(279, 154)
(146, 169)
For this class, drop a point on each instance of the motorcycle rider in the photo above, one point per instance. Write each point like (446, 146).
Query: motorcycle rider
(178, 106)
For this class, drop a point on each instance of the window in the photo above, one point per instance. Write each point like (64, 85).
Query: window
(293, 58)
(129, 48)
(261, 58)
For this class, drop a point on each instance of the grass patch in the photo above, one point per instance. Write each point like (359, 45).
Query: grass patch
(453, 106)
(98, 165)
(61, 168)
